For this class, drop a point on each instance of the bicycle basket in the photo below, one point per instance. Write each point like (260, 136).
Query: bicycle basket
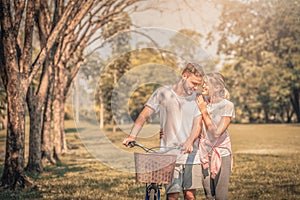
(154, 167)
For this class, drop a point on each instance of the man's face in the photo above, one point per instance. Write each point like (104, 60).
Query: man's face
(191, 83)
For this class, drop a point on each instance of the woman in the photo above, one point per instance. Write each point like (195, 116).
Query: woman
(215, 145)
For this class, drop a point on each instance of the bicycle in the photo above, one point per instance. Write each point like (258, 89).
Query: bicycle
(154, 168)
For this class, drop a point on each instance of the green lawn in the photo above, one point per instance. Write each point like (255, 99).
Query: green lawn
(266, 166)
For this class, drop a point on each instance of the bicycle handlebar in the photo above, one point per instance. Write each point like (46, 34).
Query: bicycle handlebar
(134, 143)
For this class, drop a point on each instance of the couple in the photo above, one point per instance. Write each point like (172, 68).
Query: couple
(198, 123)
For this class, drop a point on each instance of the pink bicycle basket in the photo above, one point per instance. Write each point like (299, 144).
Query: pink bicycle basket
(154, 167)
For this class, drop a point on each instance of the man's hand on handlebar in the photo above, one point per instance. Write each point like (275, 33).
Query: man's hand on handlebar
(128, 140)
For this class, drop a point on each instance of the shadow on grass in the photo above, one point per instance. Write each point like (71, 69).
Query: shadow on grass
(36, 192)
(290, 188)
(20, 195)
(7, 194)
(61, 169)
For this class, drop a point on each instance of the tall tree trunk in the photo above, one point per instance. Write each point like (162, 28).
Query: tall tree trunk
(16, 85)
(36, 100)
(13, 173)
(101, 113)
(56, 131)
(58, 114)
(59, 142)
(47, 146)
(62, 126)
(35, 108)
(114, 128)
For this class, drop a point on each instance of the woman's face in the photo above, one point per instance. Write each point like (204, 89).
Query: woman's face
(205, 88)
(209, 87)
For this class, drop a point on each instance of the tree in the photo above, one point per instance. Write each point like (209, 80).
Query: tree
(69, 54)
(63, 37)
(2, 106)
(114, 70)
(263, 37)
(17, 71)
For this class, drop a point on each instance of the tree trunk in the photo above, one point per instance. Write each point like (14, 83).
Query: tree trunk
(101, 114)
(64, 147)
(36, 100)
(58, 114)
(114, 127)
(59, 142)
(47, 146)
(295, 102)
(35, 108)
(56, 129)
(16, 85)
(266, 113)
(13, 175)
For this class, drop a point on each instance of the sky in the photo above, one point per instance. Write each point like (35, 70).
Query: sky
(198, 15)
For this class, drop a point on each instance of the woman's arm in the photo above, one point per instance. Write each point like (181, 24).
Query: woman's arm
(216, 129)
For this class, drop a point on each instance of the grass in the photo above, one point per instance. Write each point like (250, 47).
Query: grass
(266, 166)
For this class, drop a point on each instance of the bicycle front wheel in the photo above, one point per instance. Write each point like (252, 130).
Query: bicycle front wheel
(152, 195)
(152, 192)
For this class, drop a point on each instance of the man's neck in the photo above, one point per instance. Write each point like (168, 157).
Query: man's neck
(178, 89)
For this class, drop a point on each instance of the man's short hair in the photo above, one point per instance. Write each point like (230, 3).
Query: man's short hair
(194, 68)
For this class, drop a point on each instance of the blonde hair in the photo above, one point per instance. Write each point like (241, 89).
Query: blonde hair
(227, 94)
(216, 78)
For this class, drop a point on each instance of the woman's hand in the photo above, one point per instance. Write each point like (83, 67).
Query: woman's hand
(187, 146)
(201, 102)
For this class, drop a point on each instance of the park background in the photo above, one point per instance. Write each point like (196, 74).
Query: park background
(58, 83)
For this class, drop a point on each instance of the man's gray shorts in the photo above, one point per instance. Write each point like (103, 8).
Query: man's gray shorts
(186, 177)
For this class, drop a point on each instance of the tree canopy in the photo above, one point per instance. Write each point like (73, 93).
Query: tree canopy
(261, 42)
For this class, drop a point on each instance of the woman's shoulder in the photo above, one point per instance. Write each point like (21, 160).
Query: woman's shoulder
(228, 103)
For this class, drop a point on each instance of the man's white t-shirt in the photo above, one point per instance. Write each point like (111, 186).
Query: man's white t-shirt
(176, 118)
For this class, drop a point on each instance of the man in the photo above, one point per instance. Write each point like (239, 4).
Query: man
(180, 119)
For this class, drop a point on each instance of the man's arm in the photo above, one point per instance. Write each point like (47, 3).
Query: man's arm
(138, 124)
(195, 132)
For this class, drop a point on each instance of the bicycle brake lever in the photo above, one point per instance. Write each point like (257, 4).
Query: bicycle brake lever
(132, 144)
